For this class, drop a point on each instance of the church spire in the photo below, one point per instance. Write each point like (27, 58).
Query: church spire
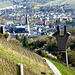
(26, 19)
(27, 22)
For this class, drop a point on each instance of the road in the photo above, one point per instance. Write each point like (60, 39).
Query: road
(53, 67)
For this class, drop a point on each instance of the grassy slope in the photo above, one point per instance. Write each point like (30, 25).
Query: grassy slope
(64, 70)
(21, 56)
(72, 31)
(5, 4)
(45, 37)
(71, 4)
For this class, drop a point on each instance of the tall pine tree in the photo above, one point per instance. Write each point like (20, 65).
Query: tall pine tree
(17, 37)
(25, 42)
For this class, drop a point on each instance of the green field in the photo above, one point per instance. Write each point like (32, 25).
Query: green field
(64, 70)
(5, 4)
(57, 1)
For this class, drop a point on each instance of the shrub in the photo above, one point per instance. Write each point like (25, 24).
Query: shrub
(17, 37)
(1, 35)
(71, 42)
(37, 44)
(6, 35)
(25, 42)
(52, 46)
(71, 56)
(44, 53)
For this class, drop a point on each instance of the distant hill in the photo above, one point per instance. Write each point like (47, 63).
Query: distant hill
(11, 53)
(4, 4)
(72, 31)
(70, 3)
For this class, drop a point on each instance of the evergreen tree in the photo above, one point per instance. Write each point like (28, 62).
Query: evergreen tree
(17, 37)
(25, 42)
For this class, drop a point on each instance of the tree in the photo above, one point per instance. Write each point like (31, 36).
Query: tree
(17, 37)
(25, 42)
(52, 46)
(71, 42)
(57, 21)
(71, 56)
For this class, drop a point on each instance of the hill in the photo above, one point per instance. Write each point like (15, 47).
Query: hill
(11, 53)
(45, 37)
(39, 3)
(72, 31)
(63, 69)
(4, 4)
(71, 4)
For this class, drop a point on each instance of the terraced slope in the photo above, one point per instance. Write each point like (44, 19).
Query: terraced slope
(11, 54)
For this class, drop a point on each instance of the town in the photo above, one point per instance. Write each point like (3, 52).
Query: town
(18, 20)
(37, 37)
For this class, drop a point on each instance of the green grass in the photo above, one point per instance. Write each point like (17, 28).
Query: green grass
(17, 60)
(40, 38)
(64, 70)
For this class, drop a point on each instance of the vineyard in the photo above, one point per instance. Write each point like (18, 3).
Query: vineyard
(12, 53)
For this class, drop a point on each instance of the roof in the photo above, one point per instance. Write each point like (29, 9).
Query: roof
(18, 30)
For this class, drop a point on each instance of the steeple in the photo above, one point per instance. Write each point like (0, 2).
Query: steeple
(27, 22)
(44, 21)
(26, 19)
(64, 29)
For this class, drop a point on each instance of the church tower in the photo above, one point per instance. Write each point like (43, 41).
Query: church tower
(44, 22)
(27, 23)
